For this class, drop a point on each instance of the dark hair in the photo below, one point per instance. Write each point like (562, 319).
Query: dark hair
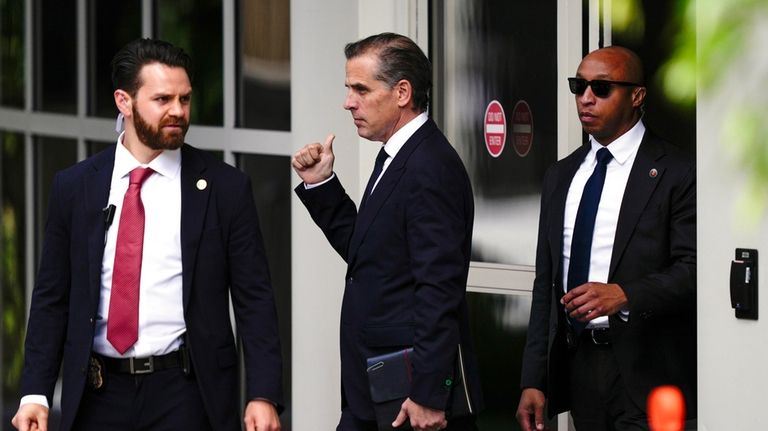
(399, 58)
(127, 63)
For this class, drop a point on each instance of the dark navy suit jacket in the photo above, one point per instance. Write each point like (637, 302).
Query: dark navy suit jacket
(222, 253)
(653, 260)
(407, 252)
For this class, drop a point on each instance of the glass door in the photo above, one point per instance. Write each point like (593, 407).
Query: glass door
(495, 97)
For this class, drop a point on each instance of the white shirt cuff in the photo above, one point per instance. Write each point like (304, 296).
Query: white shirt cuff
(34, 399)
(312, 186)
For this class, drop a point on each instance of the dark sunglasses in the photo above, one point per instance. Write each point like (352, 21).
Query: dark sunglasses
(600, 87)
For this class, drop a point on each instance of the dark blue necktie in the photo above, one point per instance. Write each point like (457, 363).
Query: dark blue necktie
(583, 230)
(377, 168)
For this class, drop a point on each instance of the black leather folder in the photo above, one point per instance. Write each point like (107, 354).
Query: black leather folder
(389, 379)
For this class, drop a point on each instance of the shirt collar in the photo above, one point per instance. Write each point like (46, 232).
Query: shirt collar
(624, 146)
(399, 138)
(167, 164)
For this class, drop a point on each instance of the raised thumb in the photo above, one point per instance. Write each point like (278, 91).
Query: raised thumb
(328, 144)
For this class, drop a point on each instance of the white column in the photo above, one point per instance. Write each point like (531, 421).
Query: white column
(319, 31)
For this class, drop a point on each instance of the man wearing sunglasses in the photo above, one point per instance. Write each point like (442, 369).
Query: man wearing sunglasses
(614, 298)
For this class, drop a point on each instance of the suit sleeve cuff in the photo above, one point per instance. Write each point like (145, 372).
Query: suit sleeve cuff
(274, 404)
(432, 390)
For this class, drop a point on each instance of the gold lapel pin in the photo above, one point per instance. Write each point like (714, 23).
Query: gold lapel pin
(653, 173)
(201, 184)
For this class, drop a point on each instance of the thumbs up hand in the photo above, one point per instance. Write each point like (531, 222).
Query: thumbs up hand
(314, 162)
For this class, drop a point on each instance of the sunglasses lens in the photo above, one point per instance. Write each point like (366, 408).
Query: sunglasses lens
(577, 86)
(601, 88)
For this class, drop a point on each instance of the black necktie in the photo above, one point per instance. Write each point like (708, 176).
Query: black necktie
(583, 230)
(377, 167)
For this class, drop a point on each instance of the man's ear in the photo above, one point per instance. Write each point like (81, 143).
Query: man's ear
(638, 97)
(404, 93)
(124, 102)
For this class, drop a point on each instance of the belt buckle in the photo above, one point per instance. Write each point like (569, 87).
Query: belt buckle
(148, 365)
(571, 339)
(594, 340)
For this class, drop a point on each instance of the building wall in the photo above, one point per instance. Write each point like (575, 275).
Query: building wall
(732, 353)
(317, 77)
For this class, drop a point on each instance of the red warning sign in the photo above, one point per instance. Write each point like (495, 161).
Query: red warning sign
(495, 128)
(522, 128)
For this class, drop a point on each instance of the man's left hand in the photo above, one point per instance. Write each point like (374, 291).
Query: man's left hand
(592, 300)
(261, 415)
(422, 418)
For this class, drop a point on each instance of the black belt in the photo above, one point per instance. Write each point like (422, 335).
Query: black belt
(598, 336)
(146, 365)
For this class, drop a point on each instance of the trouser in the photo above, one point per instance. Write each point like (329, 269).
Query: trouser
(599, 399)
(162, 400)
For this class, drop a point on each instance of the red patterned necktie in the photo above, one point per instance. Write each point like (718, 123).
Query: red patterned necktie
(123, 319)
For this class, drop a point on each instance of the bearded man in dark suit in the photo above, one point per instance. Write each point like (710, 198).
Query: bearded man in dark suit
(132, 299)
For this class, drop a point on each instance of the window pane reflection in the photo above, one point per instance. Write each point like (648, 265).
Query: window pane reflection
(12, 53)
(499, 324)
(55, 59)
(195, 26)
(505, 51)
(271, 178)
(264, 66)
(93, 147)
(51, 155)
(671, 120)
(12, 275)
(112, 24)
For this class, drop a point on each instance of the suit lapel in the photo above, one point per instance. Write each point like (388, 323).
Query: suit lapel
(97, 186)
(194, 203)
(384, 188)
(557, 210)
(640, 186)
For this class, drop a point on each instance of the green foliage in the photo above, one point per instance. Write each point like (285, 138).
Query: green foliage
(12, 53)
(679, 75)
(746, 133)
(13, 304)
(713, 48)
(628, 19)
(195, 26)
(11, 268)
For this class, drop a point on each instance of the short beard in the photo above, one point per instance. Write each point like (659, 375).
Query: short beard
(154, 138)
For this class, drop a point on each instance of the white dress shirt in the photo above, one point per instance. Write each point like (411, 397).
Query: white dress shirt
(161, 315)
(397, 140)
(624, 150)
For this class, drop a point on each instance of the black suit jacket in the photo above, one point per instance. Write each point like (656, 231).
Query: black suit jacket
(222, 253)
(653, 260)
(407, 252)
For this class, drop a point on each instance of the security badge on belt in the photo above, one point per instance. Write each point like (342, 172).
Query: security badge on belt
(96, 374)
